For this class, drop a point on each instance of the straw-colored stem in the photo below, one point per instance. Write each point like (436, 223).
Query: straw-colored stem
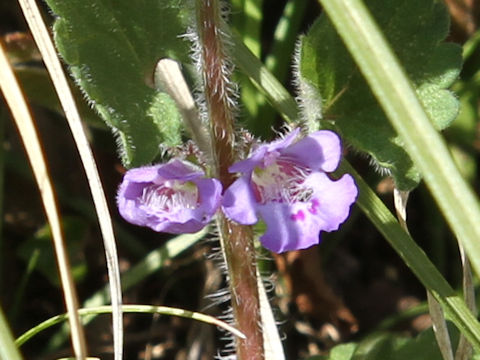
(52, 62)
(464, 348)
(26, 127)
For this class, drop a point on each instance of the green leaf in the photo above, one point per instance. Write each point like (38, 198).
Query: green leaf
(381, 346)
(112, 48)
(415, 30)
(394, 347)
(374, 347)
(462, 131)
(339, 352)
(342, 351)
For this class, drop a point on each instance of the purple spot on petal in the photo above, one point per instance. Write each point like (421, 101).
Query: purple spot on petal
(314, 205)
(298, 216)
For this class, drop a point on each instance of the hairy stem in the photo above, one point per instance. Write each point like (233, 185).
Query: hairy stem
(217, 87)
(237, 240)
(239, 255)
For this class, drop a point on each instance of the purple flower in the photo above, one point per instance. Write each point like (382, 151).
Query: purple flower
(173, 197)
(285, 183)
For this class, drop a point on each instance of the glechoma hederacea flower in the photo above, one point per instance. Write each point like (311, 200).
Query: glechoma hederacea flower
(174, 197)
(286, 184)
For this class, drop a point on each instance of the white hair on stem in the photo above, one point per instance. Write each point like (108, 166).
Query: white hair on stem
(308, 98)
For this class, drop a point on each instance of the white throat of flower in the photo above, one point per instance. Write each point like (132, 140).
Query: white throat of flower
(281, 181)
(170, 195)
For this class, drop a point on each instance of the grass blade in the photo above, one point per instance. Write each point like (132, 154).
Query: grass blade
(284, 40)
(148, 309)
(45, 45)
(246, 19)
(285, 37)
(271, 337)
(24, 121)
(8, 348)
(262, 78)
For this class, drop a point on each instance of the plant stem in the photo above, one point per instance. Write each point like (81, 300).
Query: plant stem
(236, 240)
(217, 89)
(239, 255)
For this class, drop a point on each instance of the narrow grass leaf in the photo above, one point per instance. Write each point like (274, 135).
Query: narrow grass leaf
(8, 348)
(49, 54)
(272, 343)
(276, 93)
(145, 309)
(246, 20)
(284, 40)
(26, 127)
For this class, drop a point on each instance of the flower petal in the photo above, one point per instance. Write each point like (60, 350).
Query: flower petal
(333, 198)
(179, 170)
(128, 207)
(249, 164)
(173, 227)
(239, 203)
(284, 142)
(259, 154)
(142, 174)
(289, 227)
(130, 190)
(320, 150)
(210, 194)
